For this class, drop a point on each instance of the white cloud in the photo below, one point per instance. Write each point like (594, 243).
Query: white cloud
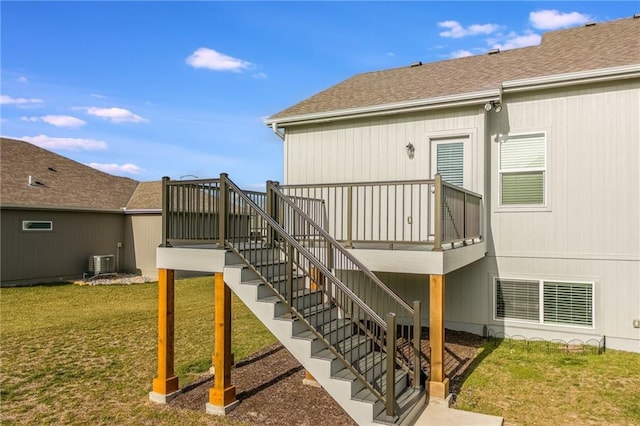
(514, 41)
(68, 144)
(455, 30)
(213, 60)
(22, 79)
(390, 54)
(117, 168)
(8, 100)
(57, 120)
(115, 115)
(96, 95)
(554, 19)
(260, 76)
(461, 54)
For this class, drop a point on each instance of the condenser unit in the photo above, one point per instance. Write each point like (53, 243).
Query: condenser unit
(102, 264)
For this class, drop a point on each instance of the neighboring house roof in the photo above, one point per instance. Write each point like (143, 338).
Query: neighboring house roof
(57, 181)
(604, 45)
(147, 196)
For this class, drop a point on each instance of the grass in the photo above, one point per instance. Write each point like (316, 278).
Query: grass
(555, 388)
(87, 355)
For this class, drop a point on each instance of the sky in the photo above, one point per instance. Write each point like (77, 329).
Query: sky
(181, 89)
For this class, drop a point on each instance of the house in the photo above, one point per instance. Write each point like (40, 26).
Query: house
(57, 213)
(497, 193)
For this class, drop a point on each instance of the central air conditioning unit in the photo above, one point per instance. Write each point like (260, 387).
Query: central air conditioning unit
(102, 264)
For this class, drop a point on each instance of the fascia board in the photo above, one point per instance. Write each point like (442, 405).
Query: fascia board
(386, 109)
(567, 79)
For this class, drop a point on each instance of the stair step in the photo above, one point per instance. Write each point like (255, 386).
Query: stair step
(405, 403)
(357, 346)
(381, 384)
(321, 314)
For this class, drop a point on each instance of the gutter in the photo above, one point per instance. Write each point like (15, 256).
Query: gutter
(10, 206)
(122, 210)
(274, 127)
(448, 101)
(574, 78)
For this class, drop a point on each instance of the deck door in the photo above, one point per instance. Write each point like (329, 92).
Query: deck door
(447, 159)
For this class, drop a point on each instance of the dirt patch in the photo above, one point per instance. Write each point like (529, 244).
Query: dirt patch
(269, 386)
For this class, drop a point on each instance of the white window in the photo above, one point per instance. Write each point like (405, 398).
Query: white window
(544, 302)
(37, 225)
(523, 166)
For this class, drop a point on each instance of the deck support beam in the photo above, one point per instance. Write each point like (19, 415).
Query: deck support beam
(438, 383)
(165, 385)
(222, 396)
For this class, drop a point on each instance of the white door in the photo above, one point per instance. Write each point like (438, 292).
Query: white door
(448, 159)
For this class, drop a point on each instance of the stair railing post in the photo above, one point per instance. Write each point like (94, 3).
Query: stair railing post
(437, 243)
(223, 210)
(289, 273)
(417, 335)
(391, 365)
(165, 211)
(349, 216)
(270, 208)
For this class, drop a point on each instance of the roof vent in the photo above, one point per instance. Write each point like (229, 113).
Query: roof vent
(589, 24)
(493, 51)
(416, 64)
(637, 15)
(51, 169)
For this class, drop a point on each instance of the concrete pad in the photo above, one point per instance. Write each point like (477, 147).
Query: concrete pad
(441, 415)
(159, 398)
(218, 410)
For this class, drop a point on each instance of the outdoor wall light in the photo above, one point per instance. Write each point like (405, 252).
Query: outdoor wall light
(411, 150)
(496, 106)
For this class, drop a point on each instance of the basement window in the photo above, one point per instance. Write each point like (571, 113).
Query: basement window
(544, 302)
(37, 225)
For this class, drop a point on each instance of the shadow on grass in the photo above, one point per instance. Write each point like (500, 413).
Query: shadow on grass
(488, 348)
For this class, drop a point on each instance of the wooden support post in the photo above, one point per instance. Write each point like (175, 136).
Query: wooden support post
(309, 380)
(222, 396)
(438, 383)
(165, 385)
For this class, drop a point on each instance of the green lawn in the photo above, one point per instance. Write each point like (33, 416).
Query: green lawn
(541, 388)
(87, 355)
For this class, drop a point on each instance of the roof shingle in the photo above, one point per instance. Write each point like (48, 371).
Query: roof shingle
(605, 45)
(65, 183)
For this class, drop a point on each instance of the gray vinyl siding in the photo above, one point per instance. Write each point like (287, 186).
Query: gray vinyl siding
(374, 149)
(52, 256)
(144, 235)
(593, 178)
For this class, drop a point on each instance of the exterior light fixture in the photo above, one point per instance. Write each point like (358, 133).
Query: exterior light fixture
(411, 150)
(493, 105)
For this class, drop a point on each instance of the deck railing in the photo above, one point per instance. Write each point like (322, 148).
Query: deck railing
(388, 212)
(393, 212)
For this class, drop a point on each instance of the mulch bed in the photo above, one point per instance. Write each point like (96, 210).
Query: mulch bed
(269, 386)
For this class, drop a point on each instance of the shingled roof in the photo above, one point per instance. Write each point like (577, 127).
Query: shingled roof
(604, 45)
(147, 196)
(57, 181)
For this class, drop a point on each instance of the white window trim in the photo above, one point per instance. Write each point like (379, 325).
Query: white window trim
(540, 321)
(545, 206)
(26, 229)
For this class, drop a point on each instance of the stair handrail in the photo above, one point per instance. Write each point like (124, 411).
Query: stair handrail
(229, 187)
(296, 244)
(335, 245)
(417, 356)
